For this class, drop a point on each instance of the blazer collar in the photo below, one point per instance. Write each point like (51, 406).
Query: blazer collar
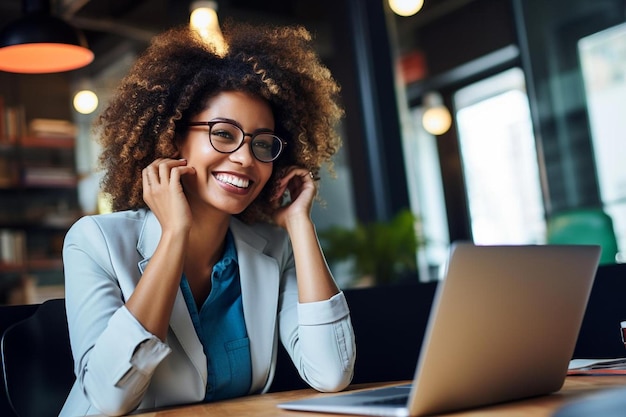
(149, 235)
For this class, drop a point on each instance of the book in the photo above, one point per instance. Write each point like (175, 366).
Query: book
(610, 366)
(49, 176)
(3, 128)
(12, 246)
(14, 123)
(52, 128)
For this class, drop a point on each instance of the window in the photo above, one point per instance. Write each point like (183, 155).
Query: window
(499, 161)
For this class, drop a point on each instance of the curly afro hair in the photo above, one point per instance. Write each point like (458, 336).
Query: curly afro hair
(172, 80)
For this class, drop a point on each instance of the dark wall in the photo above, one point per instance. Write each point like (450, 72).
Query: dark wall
(469, 32)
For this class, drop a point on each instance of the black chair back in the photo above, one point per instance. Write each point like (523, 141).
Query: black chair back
(37, 362)
(600, 335)
(9, 315)
(389, 324)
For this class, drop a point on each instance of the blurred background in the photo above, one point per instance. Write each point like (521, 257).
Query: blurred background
(492, 121)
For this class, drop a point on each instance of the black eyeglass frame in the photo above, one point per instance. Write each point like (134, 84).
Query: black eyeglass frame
(211, 123)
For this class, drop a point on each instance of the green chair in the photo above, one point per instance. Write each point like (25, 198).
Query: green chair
(584, 226)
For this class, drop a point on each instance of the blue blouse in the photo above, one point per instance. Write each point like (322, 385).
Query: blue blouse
(222, 329)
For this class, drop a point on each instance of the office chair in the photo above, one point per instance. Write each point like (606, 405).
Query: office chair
(584, 226)
(599, 335)
(9, 315)
(385, 351)
(37, 362)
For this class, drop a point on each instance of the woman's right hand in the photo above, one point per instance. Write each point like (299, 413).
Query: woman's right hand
(164, 195)
(152, 300)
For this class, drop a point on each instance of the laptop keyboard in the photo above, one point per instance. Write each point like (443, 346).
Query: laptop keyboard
(398, 400)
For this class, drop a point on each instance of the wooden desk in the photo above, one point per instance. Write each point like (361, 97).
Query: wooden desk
(575, 387)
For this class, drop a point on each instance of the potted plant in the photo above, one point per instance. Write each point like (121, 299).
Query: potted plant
(380, 251)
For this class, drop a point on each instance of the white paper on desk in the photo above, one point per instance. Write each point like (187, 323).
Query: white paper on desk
(614, 363)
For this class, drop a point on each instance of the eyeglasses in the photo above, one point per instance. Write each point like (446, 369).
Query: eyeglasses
(227, 137)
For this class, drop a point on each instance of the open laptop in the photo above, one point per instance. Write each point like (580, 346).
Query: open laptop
(503, 326)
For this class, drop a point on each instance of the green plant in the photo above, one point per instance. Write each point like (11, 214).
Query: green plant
(384, 250)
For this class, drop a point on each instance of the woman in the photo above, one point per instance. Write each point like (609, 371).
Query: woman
(210, 159)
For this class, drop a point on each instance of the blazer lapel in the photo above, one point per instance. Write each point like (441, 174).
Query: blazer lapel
(180, 320)
(259, 275)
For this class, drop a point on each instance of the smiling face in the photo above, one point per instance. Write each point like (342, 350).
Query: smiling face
(226, 182)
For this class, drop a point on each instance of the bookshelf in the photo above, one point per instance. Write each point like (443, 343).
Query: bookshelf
(38, 192)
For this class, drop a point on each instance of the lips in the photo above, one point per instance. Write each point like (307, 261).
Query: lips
(233, 180)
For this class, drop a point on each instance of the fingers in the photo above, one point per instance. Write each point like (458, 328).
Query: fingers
(302, 173)
(161, 179)
(163, 192)
(293, 178)
(165, 171)
(297, 182)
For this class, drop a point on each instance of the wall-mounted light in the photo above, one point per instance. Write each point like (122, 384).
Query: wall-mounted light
(40, 43)
(85, 102)
(203, 19)
(436, 118)
(406, 7)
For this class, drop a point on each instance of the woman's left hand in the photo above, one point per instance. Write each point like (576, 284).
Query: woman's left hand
(302, 191)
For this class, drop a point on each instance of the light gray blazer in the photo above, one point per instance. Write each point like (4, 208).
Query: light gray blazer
(121, 367)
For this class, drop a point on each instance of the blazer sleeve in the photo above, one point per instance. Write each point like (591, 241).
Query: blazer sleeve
(114, 355)
(318, 336)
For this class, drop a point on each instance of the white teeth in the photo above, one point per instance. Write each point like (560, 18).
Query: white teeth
(232, 180)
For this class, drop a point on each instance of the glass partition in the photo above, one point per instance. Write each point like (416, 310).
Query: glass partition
(603, 62)
(499, 161)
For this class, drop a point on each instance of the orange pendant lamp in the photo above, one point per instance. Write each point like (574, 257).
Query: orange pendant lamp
(39, 43)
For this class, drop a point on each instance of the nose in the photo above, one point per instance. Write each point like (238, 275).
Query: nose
(243, 155)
